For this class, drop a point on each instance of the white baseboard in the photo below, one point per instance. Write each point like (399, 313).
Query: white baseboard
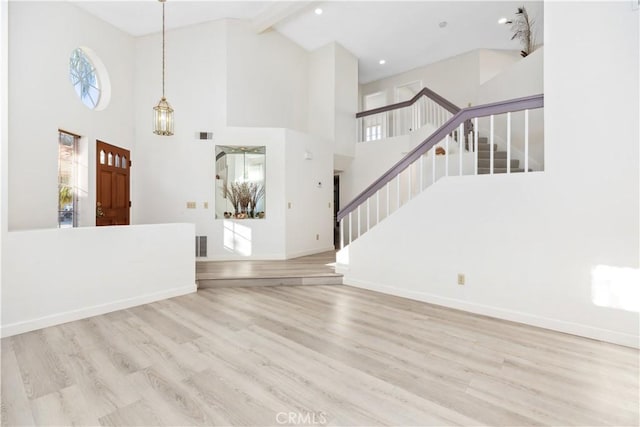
(607, 335)
(82, 313)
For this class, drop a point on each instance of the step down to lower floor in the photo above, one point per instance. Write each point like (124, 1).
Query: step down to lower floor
(246, 282)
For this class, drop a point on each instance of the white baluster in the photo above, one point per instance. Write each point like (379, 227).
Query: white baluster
(461, 147)
(388, 199)
(359, 225)
(378, 207)
(433, 165)
(491, 146)
(509, 142)
(526, 141)
(368, 215)
(350, 227)
(414, 114)
(398, 190)
(421, 173)
(342, 233)
(446, 156)
(410, 179)
(475, 143)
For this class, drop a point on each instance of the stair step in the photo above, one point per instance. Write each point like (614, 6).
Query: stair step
(245, 282)
(496, 154)
(485, 147)
(498, 163)
(485, 171)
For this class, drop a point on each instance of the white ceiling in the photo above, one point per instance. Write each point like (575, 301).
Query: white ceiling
(404, 33)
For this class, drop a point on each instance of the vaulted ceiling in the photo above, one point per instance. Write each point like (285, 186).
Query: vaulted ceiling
(406, 34)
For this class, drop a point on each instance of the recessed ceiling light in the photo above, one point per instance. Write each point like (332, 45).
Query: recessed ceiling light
(382, 62)
(503, 21)
(318, 11)
(442, 24)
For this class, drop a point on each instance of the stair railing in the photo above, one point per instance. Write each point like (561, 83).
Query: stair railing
(413, 173)
(426, 107)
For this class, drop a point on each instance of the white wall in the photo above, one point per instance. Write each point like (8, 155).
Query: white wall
(4, 134)
(266, 79)
(168, 172)
(322, 117)
(455, 78)
(309, 190)
(533, 243)
(52, 278)
(494, 62)
(223, 74)
(42, 100)
(253, 238)
(333, 99)
(346, 101)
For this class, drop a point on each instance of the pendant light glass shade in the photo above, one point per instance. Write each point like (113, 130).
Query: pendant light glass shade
(163, 113)
(163, 118)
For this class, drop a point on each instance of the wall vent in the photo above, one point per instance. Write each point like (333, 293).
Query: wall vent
(205, 135)
(201, 246)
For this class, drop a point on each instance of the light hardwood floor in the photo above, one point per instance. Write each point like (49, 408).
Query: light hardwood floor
(331, 355)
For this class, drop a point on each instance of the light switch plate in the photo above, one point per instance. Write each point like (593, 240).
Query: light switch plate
(191, 205)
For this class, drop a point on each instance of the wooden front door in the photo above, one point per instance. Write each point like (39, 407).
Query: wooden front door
(112, 181)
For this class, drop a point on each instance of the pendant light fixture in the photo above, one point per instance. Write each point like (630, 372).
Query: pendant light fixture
(163, 113)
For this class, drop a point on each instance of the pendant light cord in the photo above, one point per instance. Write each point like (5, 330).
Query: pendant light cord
(163, 49)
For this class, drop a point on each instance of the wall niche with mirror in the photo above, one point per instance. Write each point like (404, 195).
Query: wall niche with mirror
(240, 182)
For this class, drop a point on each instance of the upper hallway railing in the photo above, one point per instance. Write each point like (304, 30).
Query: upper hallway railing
(475, 155)
(426, 107)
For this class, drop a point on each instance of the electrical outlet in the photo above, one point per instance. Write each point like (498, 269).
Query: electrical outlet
(205, 205)
(289, 205)
(329, 205)
(191, 205)
(460, 279)
(317, 237)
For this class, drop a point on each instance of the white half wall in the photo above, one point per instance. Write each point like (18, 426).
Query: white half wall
(56, 276)
(534, 246)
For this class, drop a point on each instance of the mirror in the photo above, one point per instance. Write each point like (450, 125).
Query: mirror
(240, 182)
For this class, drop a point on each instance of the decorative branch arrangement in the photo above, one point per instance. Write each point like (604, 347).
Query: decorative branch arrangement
(256, 192)
(522, 30)
(244, 196)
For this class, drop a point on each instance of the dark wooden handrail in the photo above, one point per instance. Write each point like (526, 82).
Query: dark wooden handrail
(447, 105)
(526, 103)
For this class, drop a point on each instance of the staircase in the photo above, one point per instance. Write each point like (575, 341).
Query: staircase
(398, 185)
(499, 159)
